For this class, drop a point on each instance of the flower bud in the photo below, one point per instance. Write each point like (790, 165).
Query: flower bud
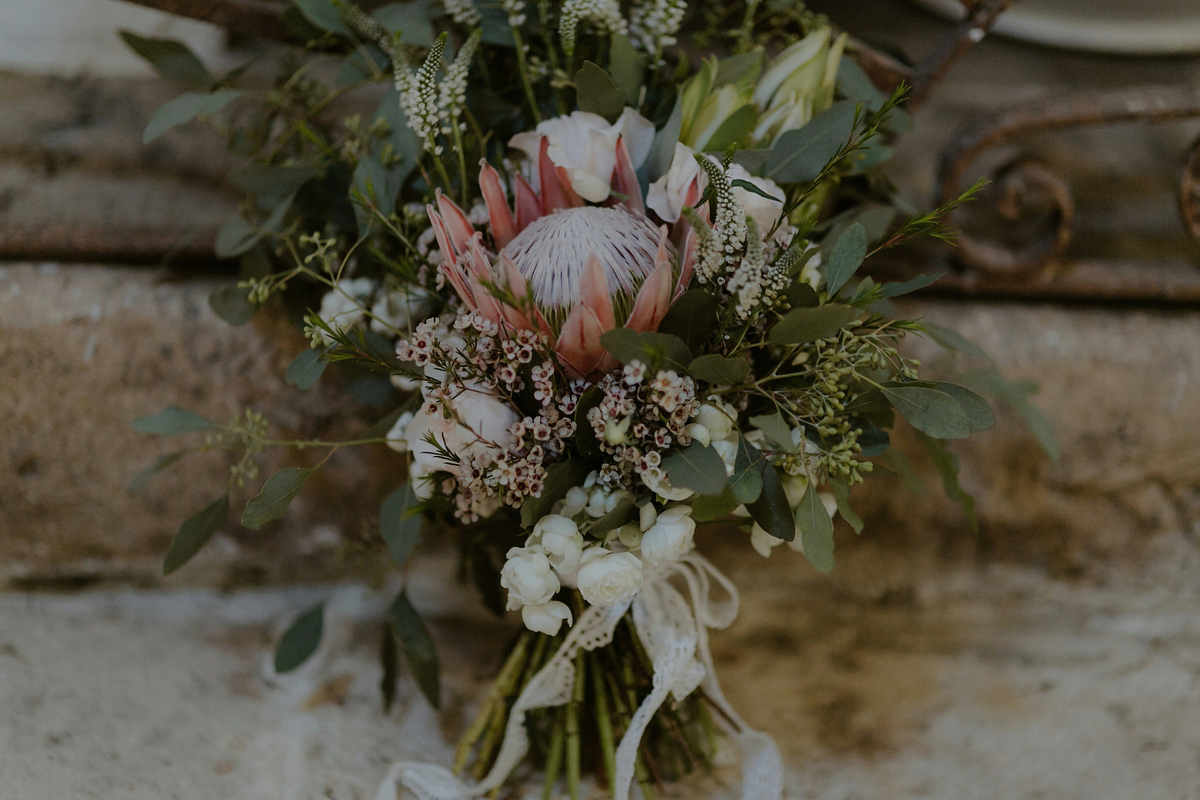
(546, 618)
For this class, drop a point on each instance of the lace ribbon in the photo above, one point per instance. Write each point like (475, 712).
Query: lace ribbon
(674, 632)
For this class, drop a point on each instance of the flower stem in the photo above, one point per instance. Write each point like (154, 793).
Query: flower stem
(604, 725)
(512, 667)
(524, 70)
(573, 766)
(554, 757)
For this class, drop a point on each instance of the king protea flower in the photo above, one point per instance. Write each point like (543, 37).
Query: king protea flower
(563, 267)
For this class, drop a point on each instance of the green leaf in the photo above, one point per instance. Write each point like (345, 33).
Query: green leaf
(623, 512)
(929, 410)
(655, 350)
(276, 495)
(897, 461)
(692, 318)
(172, 421)
(560, 478)
(979, 413)
(775, 429)
(323, 14)
(953, 340)
(185, 108)
(301, 639)
(306, 368)
(170, 58)
(947, 466)
(771, 510)
(418, 647)
(799, 156)
(413, 20)
(269, 183)
(400, 522)
(719, 370)
(804, 325)
(232, 304)
(238, 236)
(160, 463)
(698, 467)
(841, 494)
(746, 482)
(658, 163)
(706, 508)
(195, 532)
(854, 84)
(801, 295)
(495, 25)
(389, 661)
(896, 289)
(735, 130)
(816, 530)
(627, 65)
(847, 256)
(585, 436)
(595, 91)
(1015, 395)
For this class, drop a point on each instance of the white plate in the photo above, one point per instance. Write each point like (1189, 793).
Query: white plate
(1150, 27)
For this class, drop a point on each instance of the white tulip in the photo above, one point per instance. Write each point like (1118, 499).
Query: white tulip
(607, 578)
(546, 618)
(528, 577)
(559, 538)
(670, 536)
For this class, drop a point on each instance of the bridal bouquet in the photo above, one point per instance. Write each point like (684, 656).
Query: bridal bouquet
(607, 253)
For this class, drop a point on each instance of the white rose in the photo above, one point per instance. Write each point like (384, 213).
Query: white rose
(727, 450)
(584, 144)
(528, 577)
(670, 536)
(597, 502)
(575, 501)
(343, 305)
(546, 618)
(718, 417)
(630, 535)
(698, 432)
(400, 310)
(662, 487)
(560, 539)
(607, 578)
(667, 196)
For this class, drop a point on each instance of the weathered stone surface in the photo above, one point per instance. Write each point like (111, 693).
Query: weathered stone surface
(84, 351)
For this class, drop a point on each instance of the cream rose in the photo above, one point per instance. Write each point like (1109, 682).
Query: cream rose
(561, 541)
(528, 577)
(667, 196)
(607, 578)
(546, 618)
(670, 536)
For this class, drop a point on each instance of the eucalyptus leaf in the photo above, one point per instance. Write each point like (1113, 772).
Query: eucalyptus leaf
(324, 14)
(801, 295)
(953, 340)
(172, 59)
(159, 464)
(979, 413)
(719, 370)
(929, 410)
(627, 66)
(771, 510)
(947, 466)
(847, 256)
(595, 91)
(172, 421)
(300, 640)
(400, 522)
(841, 495)
(305, 369)
(799, 155)
(896, 289)
(692, 318)
(195, 532)
(775, 429)
(413, 20)
(746, 482)
(560, 478)
(276, 495)
(804, 325)
(706, 508)
(698, 467)
(744, 66)
(1015, 395)
(854, 84)
(655, 350)
(232, 304)
(816, 530)
(735, 130)
(185, 108)
(236, 237)
(662, 150)
(622, 513)
(494, 21)
(418, 646)
(272, 182)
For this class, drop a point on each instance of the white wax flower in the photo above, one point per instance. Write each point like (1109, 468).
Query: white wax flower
(584, 144)
(607, 578)
(670, 536)
(546, 618)
(560, 540)
(400, 310)
(480, 421)
(343, 305)
(528, 577)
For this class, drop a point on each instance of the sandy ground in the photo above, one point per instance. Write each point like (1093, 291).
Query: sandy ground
(981, 684)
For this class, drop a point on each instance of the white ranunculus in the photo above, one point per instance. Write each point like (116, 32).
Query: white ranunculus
(607, 578)
(667, 195)
(480, 421)
(584, 144)
(575, 501)
(559, 538)
(670, 536)
(528, 577)
(630, 535)
(546, 618)
(597, 504)
(343, 305)
(662, 487)
(400, 310)
(718, 417)
(727, 449)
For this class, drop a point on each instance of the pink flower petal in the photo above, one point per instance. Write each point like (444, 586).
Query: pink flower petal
(593, 292)
(554, 197)
(460, 228)
(653, 300)
(504, 229)
(579, 343)
(529, 207)
(625, 180)
(450, 267)
(564, 180)
(688, 261)
(489, 306)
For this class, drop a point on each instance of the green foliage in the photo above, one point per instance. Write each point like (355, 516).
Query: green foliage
(816, 530)
(692, 318)
(771, 510)
(597, 92)
(841, 494)
(306, 369)
(847, 256)
(746, 482)
(170, 58)
(232, 304)
(159, 464)
(185, 108)
(929, 410)
(627, 66)
(1015, 395)
(803, 325)
(301, 639)
(697, 467)
(560, 478)
(277, 493)
(419, 649)
(195, 532)
(324, 14)
(172, 421)
(947, 466)
(719, 370)
(655, 350)
(952, 340)
(979, 413)
(799, 156)
(896, 289)
(400, 523)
